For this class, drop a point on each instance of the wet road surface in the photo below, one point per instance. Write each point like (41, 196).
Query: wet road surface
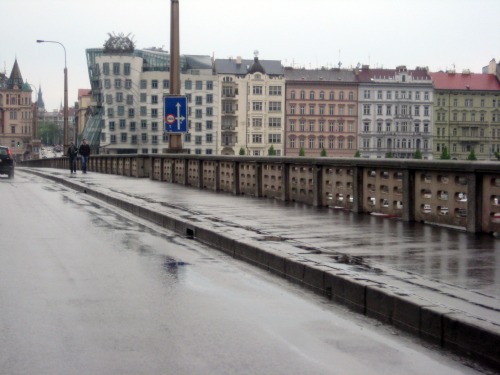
(86, 289)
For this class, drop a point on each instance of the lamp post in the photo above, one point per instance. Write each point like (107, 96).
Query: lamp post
(35, 123)
(65, 130)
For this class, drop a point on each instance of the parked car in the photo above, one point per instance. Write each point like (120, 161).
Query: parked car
(6, 162)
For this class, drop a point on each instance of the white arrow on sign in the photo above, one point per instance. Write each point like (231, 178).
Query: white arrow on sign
(179, 117)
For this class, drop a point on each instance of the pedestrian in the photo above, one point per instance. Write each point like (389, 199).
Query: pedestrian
(84, 152)
(72, 153)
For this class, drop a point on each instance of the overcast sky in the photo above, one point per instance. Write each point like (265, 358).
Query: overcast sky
(439, 34)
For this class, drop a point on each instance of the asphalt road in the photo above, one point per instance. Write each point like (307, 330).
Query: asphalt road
(87, 289)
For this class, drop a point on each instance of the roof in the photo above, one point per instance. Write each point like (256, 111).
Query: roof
(83, 92)
(331, 75)
(367, 74)
(465, 81)
(15, 76)
(242, 66)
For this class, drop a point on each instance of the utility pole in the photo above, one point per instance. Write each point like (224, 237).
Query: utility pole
(175, 140)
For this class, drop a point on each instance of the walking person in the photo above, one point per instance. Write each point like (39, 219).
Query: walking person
(84, 152)
(72, 154)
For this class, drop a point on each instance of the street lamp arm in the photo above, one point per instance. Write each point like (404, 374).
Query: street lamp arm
(53, 41)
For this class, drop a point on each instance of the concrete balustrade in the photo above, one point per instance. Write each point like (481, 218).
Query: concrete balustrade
(455, 193)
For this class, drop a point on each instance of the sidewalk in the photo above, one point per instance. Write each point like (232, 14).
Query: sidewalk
(437, 283)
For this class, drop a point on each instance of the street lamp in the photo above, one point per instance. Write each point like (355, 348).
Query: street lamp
(65, 132)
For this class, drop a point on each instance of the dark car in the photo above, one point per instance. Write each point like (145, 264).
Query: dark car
(6, 162)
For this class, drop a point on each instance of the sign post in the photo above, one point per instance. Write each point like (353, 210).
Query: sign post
(175, 114)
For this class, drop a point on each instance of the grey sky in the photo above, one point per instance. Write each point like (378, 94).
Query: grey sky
(439, 34)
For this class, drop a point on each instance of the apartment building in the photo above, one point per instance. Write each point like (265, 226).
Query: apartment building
(467, 114)
(127, 101)
(395, 112)
(321, 112)
(252, 106)
(16, 114)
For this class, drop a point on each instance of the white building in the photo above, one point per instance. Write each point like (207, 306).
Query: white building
(395, 112)
(252, 106)
(128, 89)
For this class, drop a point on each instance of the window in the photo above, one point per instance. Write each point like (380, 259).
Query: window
(154, 126)
(302, 95)
(128, 83)
(331, 110)
(210, 98)
(198, 100)
(112, 138)
(417, 110)
(126, 69)
(257, 106)
(110, 112)
(109, 99)
(331, 126)
(366, 109)
(332, 95)
(275, 90)
(208, 138)
(341, 95)
(199, 85)
(426, 95)
(292, 95)
(311, 95)
(274, 106)
(210, 85)
(322, 95)
(143, 97)
(388, 95)
(379, 109)
(379, 94)
(426, 110)
(366, 94)
(119, 97)
(311, 126)
(105, 69)
(188, 85)
(209, 124)
(366, 127)
(130, 99)
(198, 139)
(292, 125)
(274, 122)
(198, 113)
(132, 126)
(121, 110)
(123, 137)
(116, 68)
(107, 83)
(111, 125)
(210, 111)
(144, 124)
(144, 137)
(166, 84)
(118, 83)
(154, 84)
(257, 90)
(143, 84)
(274, 138)
(256, 138)
(131, 112)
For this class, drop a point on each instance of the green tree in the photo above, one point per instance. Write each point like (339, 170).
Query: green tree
(418, 154)
(271, 151)
(50, 133)
(323, 153)
(242, 151)
(445, 155)
(357, 154)
(472, 155)
(389, 155)
(302, 152)
(497, 155)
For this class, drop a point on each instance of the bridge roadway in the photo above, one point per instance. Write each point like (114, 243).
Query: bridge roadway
(439, 283)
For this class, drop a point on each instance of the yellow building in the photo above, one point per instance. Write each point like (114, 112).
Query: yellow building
(466, 115)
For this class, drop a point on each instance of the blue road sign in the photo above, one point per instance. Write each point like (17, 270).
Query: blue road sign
(175, 114)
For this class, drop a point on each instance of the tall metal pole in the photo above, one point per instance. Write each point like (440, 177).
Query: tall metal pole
(66, 128)
(175, 140)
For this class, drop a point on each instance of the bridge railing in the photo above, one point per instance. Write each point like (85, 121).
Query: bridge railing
(455, 193)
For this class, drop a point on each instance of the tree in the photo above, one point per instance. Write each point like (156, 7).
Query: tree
(444, 154)
(302, 152)
(389, 155)
(497, 155)
(323, 153)
(472, 155)
(242, 151)
(271, 151)
(418, 154)
(50, 133)
(357, 154)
